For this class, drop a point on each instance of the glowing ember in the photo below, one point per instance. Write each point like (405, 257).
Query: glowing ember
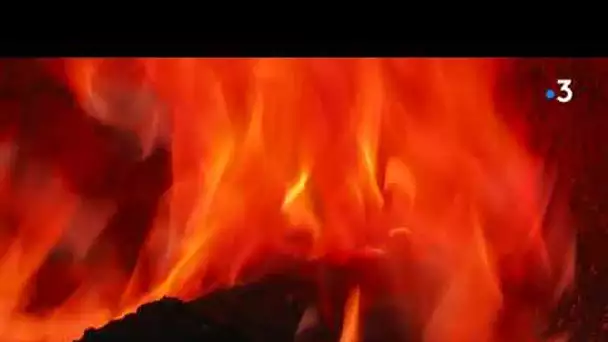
(318, 158)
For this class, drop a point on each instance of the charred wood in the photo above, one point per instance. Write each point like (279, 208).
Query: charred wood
(268, 310)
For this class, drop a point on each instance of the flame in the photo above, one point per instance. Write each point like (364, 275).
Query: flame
(350, 328)
(318, 158)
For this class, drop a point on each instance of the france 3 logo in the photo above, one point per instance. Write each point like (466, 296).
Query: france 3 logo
(564, 94)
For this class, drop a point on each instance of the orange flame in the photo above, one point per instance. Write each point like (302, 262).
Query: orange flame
(350, 328)
(343, 154)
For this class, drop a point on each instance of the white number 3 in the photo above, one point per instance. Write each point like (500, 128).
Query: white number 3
(565, 88)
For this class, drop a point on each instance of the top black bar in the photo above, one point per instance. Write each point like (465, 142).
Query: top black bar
(302, 48)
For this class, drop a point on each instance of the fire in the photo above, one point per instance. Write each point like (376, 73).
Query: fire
(350, 331)
(316, 158)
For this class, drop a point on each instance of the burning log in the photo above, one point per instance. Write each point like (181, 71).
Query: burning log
(268, 310)
(168, 319)
(305, 304)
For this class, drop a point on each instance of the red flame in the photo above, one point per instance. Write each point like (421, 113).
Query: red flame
(346, 155)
